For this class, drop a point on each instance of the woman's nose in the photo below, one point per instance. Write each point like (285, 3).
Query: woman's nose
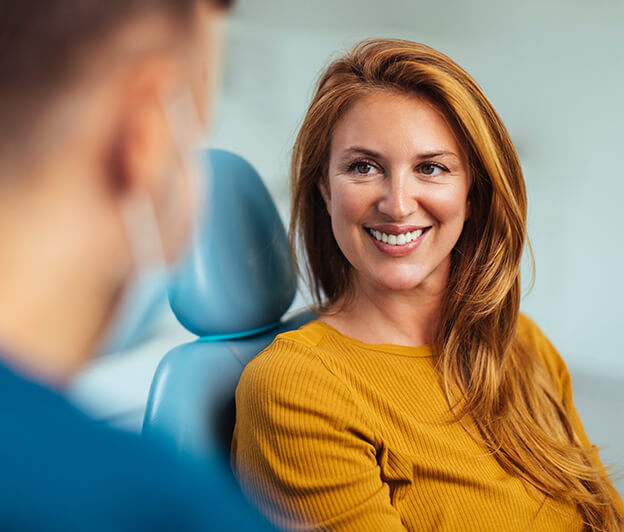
(399, 198)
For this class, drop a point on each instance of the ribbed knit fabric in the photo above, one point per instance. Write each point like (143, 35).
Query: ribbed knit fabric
(334, 434)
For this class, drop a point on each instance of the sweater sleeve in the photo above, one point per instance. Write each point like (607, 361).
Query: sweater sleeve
(301, 449)
(558, 369)
(580, 430)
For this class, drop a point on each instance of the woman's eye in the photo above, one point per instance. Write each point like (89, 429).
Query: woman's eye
(430, 169)
(363, 168)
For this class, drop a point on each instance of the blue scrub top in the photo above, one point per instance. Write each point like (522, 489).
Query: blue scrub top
(61, 471)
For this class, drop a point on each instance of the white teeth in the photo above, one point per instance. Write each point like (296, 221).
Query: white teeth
(396, 240)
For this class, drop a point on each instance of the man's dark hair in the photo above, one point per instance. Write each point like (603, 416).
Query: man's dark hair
(42, 42)
(39, 38)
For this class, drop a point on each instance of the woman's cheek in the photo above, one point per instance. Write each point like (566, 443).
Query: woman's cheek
(351, 202)
(447, 206)
(349, 210)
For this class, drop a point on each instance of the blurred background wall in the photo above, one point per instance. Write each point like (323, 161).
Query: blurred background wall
(553, 69)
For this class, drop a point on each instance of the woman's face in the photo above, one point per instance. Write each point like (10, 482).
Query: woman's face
(397, 191)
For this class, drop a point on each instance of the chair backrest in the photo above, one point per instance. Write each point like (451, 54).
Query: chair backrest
(231, 290)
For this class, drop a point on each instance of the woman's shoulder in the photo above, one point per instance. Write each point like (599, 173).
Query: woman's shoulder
(292, 374)
(308, 335)
(292, 355)
(293, 345)
(533, 338)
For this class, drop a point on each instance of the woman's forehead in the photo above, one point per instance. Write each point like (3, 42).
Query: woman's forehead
(393, 124)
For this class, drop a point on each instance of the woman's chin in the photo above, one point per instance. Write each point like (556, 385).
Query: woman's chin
(399, 283)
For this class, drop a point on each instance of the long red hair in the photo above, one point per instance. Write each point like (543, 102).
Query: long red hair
(488, 374)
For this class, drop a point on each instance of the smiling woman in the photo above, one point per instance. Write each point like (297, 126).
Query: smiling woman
(421, 399)
(397, 187)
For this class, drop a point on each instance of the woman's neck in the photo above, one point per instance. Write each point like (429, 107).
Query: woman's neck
(375, 315)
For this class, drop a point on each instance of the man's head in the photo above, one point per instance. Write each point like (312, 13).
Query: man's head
(49, 48)
(100, 102)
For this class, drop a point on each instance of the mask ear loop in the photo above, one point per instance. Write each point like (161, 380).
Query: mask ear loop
(138, 212)
(144, 235)
(203, 176)
(146, 285)
(182, 116)
(149, 278)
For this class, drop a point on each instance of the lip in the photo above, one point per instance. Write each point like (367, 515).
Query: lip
(397, 251)
(396, 229)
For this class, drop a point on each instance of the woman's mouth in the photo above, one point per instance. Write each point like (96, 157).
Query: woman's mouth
(395, 243)
(396, 239)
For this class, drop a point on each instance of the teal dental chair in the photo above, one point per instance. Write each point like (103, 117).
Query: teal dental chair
(231, 290)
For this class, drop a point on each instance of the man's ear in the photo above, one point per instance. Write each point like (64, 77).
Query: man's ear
(323, 187)
(141, 143)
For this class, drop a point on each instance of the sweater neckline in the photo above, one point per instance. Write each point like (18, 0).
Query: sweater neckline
(403, 350)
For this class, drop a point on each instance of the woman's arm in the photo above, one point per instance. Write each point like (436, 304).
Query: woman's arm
(568, 403)
(557, 367)
(302, 449)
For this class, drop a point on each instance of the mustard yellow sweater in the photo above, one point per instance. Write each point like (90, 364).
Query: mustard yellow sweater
(334, 434)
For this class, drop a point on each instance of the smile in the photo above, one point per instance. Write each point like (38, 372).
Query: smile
(396, 240)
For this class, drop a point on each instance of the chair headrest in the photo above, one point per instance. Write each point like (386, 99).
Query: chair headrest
(237, 277)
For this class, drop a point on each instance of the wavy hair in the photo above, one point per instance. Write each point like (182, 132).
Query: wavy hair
(488, 374)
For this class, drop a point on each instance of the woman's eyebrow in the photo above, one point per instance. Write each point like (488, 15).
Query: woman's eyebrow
(352, 150)
(430, 154)
(435, 153)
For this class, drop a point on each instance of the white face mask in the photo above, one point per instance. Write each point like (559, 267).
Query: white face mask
(146, 291)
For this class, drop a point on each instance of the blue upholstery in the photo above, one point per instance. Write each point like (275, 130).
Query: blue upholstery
(231, 290)
(237, 275)
(191, 402)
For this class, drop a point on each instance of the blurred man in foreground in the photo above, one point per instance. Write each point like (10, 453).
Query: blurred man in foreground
(100, 101)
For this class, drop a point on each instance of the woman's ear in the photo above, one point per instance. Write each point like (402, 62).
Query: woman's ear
(468, 209)
(324, 190)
